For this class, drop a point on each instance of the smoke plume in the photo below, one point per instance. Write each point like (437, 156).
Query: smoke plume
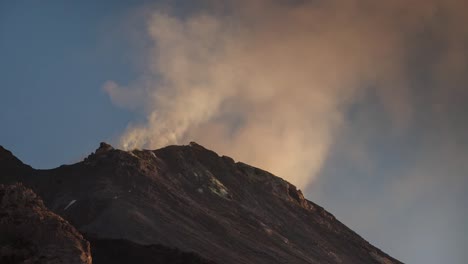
(270, 82)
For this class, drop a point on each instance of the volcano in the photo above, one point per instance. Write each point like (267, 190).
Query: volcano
(189, 205)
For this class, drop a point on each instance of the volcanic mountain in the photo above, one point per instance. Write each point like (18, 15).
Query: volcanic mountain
(189, 199)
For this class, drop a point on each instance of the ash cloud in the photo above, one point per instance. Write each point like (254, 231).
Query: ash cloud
(270, 82)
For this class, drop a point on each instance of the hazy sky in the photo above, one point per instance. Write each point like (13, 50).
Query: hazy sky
(360, 103)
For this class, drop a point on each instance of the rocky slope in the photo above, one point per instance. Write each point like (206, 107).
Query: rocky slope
(120, 251)
(30, 233)
(188, 197)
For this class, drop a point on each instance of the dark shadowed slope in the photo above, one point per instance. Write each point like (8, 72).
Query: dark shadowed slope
(30, 233)
(119, 251)
(188, 197)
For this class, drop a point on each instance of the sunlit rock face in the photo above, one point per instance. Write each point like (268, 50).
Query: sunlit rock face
(30, 233)
(189, 198)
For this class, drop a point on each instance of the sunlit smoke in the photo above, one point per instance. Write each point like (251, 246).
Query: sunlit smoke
(269, 82)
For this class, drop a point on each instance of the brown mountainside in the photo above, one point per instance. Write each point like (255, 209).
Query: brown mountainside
(30, 233)
(189, 198)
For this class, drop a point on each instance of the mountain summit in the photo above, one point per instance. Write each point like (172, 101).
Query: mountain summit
(192, 199)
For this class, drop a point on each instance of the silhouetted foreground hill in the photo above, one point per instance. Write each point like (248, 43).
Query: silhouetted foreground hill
(191, 199)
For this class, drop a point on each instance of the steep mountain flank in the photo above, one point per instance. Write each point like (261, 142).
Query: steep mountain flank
(189, 198)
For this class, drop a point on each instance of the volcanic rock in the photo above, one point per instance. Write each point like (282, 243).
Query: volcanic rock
(30, 233)
(189, 198)
(120, 251)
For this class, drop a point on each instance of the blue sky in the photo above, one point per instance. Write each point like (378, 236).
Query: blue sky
(387, 154)
(54, 62)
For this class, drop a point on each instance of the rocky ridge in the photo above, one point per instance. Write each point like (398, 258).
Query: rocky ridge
(192, 199)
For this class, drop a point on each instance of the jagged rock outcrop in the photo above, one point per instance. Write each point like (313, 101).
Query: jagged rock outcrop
(30, 233)
(188, 197)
